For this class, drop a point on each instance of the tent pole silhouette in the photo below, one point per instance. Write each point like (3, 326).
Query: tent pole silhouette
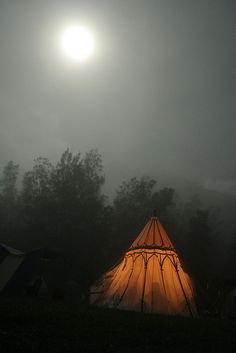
(149, 277)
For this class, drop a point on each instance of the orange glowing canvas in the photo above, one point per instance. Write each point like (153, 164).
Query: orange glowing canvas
(148, 278)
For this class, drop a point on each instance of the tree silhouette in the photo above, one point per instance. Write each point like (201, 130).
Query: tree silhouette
(134, 204)
(8, 201)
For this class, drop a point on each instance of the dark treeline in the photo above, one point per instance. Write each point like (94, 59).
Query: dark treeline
(62, 207)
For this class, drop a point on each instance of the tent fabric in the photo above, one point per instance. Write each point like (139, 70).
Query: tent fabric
(24, 274)
(8, 266)
(153, 234)
(149, 278)
(20, 272)
(9, 250)
(10, 260)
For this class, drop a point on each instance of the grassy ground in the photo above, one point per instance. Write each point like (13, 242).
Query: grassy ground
(38, 326)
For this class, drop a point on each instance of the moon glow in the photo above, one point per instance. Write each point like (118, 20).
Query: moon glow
(77, 43)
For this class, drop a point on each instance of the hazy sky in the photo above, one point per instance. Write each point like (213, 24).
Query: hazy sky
(157, 96)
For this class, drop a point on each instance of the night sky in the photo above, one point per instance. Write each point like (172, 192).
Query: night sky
(157, 97)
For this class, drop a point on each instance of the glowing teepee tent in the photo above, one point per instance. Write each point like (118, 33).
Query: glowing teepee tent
(148, 278)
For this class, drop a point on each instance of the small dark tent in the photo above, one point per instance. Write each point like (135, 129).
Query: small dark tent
(23, 273)
(10, 261)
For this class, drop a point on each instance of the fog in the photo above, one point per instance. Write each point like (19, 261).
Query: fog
(157, 97)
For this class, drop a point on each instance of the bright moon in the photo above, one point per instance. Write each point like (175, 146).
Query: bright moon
(77, 43)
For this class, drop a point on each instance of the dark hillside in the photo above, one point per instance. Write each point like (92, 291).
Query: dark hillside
(55, 328)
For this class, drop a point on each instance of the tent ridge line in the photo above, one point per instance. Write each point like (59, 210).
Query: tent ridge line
(122, 296)
(148, 230)
(162, 241)
(144, 283)
(186, 298)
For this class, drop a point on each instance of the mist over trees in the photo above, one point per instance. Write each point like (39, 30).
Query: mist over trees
(63, 207)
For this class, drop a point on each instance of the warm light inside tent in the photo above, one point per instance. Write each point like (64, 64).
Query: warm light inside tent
(149, 278)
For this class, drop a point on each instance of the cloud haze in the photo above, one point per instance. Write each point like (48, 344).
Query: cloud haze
(158, 96)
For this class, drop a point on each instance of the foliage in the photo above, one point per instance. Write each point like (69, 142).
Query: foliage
(8, 181)
(135, 202)
(8, 200)
(62, 207)
(59, 206)
(199, 242)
